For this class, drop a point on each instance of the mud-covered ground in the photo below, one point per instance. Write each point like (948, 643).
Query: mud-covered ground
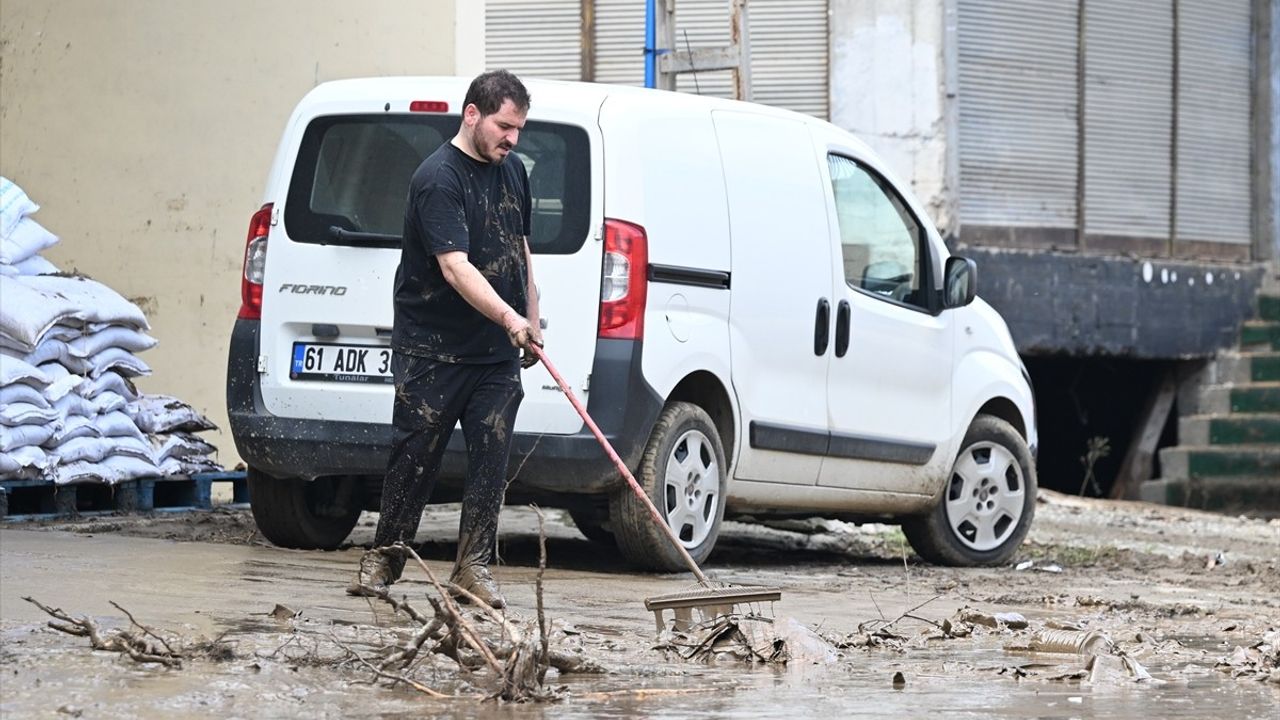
(1190, 598)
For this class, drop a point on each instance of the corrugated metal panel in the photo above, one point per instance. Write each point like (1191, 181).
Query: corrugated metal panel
(789, 48)
(1215, 54)
(1018, 112)
(1128, 117)
(534, 38)
(790, 44)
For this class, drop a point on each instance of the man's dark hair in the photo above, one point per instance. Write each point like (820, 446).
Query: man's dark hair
(489, 90)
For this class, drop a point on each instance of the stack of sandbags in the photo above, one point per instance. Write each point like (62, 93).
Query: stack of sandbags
(68, 409)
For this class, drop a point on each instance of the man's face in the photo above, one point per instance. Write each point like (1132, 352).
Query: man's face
(494, 136)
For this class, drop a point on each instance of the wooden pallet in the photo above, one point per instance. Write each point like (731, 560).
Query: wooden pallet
(38, 499)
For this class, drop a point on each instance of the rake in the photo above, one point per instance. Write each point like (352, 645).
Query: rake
(708, 600)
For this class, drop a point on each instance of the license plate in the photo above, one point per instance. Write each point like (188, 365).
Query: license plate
(341, 363)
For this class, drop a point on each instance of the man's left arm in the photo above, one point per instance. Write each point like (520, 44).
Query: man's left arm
(533, 314)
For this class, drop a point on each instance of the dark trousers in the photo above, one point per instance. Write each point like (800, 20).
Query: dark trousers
(431, 397)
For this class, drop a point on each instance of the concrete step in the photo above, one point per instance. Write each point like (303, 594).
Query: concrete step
(1260, 334)
(1245, 429)
(1184, 462)
(1235, 368)
(1269, 307)
(1257, 397)
(1253, 496)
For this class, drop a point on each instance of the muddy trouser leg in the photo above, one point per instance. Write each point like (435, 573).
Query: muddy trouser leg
(426, 409)
(487, 425)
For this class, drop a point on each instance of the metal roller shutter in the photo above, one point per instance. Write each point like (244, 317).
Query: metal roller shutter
(534, 38)
(789, 48)
(1019, 112)
(1214, 136)
(1128, 117)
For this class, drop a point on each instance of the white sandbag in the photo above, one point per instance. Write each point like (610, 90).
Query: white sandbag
(125, 467)
(179, 445)
(28, 240)
(108, 382)
(14, 205)
(12, 438)
(132, 447)
(6, 269)
(52, 350)
(24, 413)
(34, 305)
(24, 459)
(119, 360)
(71, 405)
(22, 393)
(35, 265)
(107, 402)
(83, 449)
(117, 424)
(111, 336)
(163, 414)
(57, 332)
(81, 472)
(74, 427)
(16, 370)
(61, 381)
(188, 466)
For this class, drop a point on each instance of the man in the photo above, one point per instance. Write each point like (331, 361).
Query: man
(465, 305)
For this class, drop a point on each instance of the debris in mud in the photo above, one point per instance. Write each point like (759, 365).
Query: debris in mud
(142, 645)
(1260, 661)
(748, 638)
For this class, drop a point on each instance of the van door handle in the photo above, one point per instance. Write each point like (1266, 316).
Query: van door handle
(842, 328)
(822, 328)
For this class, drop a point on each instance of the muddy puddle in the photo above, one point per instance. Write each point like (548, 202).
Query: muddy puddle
(1177, 592)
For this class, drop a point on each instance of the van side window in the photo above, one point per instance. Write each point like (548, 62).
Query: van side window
(880, 241)
(353, 171)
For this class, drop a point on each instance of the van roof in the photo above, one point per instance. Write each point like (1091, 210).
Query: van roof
(545, 92)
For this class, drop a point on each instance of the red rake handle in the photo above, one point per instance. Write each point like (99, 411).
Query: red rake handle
(622, 468)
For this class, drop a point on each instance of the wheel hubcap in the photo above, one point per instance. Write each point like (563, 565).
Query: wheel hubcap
(985, 497)
(691, 488)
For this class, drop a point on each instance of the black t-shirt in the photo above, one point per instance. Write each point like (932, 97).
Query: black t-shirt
(482, 209)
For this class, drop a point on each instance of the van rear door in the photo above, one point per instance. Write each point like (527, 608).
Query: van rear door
(334, 248)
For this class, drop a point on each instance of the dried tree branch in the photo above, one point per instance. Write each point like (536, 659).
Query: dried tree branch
(542, 618)
(455, 618)
(386, 675)
(122, 642)
(143, 628)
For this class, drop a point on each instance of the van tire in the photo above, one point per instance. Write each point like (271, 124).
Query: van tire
(592, 524)
(989, 444)
(680, 427)
(305, 515)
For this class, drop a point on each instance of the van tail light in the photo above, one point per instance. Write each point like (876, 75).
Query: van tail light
(624, 281)
(431, 106)
(255, 265)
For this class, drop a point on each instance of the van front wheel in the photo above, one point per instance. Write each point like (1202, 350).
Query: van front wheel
(684, 473)
(987, 503)
(301, 514)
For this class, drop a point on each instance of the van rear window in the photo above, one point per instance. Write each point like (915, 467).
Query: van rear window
(353, 171)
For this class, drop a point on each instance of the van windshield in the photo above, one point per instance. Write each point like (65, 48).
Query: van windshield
(351, 179)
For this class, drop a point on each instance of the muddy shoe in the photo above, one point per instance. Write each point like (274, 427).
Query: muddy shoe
(476, 580)
(375, 573)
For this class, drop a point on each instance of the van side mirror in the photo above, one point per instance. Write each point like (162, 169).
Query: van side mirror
(961, 285)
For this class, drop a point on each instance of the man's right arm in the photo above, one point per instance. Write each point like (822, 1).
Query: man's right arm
(472, 286)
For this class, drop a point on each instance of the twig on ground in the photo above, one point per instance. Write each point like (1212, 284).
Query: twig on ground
(542, 617)
(455, 617)
(873, 602)
(142, 627)
(386, 675)
(122, 642)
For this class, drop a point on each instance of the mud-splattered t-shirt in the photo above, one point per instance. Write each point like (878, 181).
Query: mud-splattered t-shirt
(482, 209)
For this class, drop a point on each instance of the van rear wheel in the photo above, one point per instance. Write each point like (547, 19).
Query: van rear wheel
(987, 504)
(684, 473)
(301, 514)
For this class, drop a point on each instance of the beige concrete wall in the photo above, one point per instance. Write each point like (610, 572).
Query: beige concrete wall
(888, 88)
(145, 129)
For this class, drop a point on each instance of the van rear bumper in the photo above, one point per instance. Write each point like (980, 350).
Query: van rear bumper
(622, 404)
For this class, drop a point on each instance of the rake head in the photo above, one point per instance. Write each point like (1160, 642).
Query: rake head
(707, 603)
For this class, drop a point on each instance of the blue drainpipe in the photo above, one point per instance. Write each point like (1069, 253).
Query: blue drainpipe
(650, 51)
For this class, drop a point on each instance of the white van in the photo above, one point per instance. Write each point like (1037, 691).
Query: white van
(761, 319)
